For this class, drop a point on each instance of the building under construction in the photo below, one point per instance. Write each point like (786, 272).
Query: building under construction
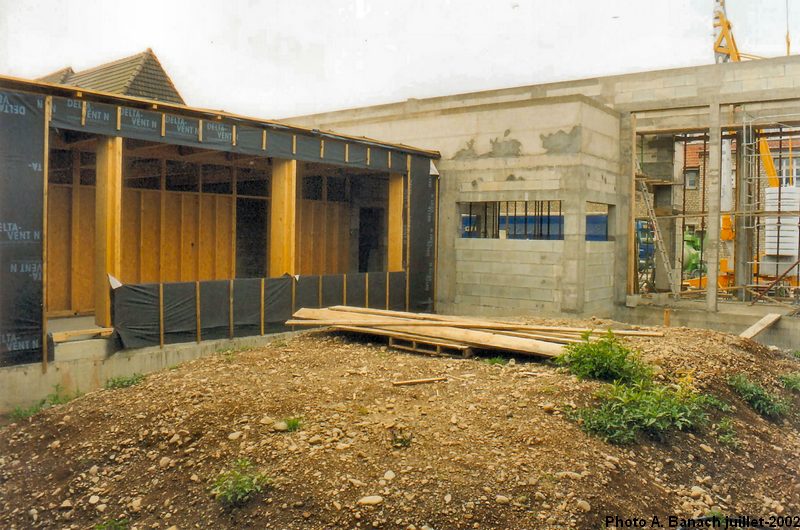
(657, 195)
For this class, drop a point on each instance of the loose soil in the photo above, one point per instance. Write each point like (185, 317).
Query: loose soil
(490, 448)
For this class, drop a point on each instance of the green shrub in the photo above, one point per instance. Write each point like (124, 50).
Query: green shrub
(796, 354)
(757, 397)
(113, 524)
(606, 359)
(625, 411)
(496, 361)
(235, 486)
(725, 433)
(791, 381)
(124, 381)
(57, 397)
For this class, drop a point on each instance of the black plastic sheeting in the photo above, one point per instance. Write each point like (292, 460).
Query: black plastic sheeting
(136, 315)
(377, 290)
(215, 309)
(307, 292)
(247, 307)
(277, 303)
(332, 290)
(357, 289)
(21, 199)
(422, 225)
(397, 291)
(180, 312)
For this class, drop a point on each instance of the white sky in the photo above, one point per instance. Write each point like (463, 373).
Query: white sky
(278, 58)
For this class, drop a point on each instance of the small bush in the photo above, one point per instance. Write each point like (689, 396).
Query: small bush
(626, 411)
(606, 359)
(113, 524)
(293, 424)
(758, 398)
(796, 354)
(124, 381)
(725, 433)
(235, 486)
(496, 361)
(57, 397)
(791, 381)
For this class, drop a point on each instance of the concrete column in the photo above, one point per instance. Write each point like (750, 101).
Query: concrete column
(743, 241)
(108, 225)
(624, 228)
(713, 194)
(573, 280)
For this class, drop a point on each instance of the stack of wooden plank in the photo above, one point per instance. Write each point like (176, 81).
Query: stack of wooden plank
(443, 332)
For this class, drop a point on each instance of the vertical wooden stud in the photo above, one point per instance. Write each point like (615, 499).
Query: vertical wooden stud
(344, 289)
(347, 152)
(75, 230)
(163, 124)
(319, 291)
(235, 175)
(108, 217)
(435, 242)
(199, 130)
(83, 113)
(263, 281)
(387, 290)
(119, 118)
(366, 289)
(230, 308)
(264, 140)
(162, 218)
(161, 314)
(408, 232)
(283, 218)
(294, 144)
(395, 228)
(48, 103)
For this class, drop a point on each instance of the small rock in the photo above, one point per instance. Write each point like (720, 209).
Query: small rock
(549, 408)
(55, 444)
(448, 498)
(93, 470)
(235, 436)
(94, 499)
(67, 504)
(502, 499)
(280, 426)
(370, 500)
(697, 492)
(707, 449)
(164, 462)
(583, 506)
(101, 508)
(194, 478)
(389, 475)
(316, 439)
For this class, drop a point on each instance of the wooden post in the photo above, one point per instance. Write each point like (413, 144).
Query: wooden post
(283, 218)
(408, 232)
(197, 311)
(667, 314)
(387, 290)
(161, 314)
(263, 281)
(344, 289)
(230, 308)
(108, 217)
(45, 183)
(75, 231)
(395, 224)
(366, 289)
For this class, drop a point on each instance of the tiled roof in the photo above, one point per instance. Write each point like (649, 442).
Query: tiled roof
(140, 75)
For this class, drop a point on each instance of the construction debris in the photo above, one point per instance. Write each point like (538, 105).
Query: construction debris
(765, 322)
(420, 381)
(452, 332)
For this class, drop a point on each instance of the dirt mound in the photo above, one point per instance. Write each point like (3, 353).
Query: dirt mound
(489, 448)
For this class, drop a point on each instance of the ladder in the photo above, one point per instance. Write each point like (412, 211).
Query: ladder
(659, 240)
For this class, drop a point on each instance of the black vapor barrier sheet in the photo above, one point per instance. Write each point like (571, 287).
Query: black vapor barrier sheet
(332, 290)
(247, 307)
(215, 312)
(421, 247)
(397, 291)
(180, 312)
(357, 289)
(277, 303)
(307, 292)
(21, 200)
(377, 290)
(136, 315)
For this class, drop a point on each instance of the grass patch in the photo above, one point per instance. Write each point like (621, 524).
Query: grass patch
(791, 381)
(496, 361)
(293, 424)
(725, 433)
(766, 404)
(113, 524)
(628, 411)
(57, 397)
(796, 354)
(237, 485)
(124, 381)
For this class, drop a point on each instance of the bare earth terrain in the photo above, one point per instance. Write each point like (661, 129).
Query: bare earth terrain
(490, 448)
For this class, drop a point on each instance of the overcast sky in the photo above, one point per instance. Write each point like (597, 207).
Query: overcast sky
(279, 58)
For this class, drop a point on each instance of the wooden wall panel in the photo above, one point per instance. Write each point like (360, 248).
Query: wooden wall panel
(131, 234)
(149, 239)
(208, 237)
(324, 235)
(171, 251)
(59, 221)
(188, 235)
(83, 273)
(224, 231)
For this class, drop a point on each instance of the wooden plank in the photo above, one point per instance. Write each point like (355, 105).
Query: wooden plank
(172, 240)
(108, 214)
(395, 223)
(59, 216)
(404, 336)
(150, 236)
(75, 229)
(85, 265)
(474, 322)
(419, 381)
(482, 339)
(283, 218)
(63, 336)
(765, 322)
(131, 224)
